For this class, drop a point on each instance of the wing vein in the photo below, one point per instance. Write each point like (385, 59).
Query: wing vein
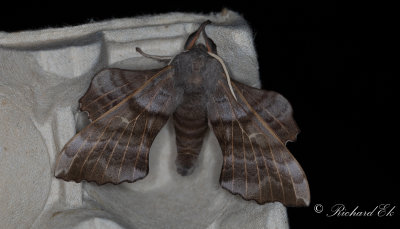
(291, 178)
(225, 143)
(93, 147)
(127, 145)
(258, 169)
(269, 176)
(79, 150)
(244, 157)
(276, 166)
(103, 95)
(102, 152)
(232, 155)
(140, 147)
(277, 120)
(250, 96)
(112, 152)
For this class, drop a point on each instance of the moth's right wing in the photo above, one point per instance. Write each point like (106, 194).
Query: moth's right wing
(273, 108)
(252, 132)
(114, 148)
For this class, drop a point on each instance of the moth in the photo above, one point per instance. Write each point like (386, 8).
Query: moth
(128, 108)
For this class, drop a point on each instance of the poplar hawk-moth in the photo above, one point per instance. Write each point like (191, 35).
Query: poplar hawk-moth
(128, 108)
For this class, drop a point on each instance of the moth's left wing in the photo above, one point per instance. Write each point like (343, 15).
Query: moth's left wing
(257, 165)
(115, 147)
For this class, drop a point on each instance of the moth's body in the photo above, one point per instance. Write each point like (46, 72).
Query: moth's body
(129, 107)
(197, 79)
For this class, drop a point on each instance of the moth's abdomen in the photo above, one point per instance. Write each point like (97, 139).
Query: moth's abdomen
(190, 123)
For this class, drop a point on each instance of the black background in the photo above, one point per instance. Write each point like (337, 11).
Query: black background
(333, 61)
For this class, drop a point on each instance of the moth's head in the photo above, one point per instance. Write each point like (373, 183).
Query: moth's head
(199, 47)
(191, 45)
(209, 44)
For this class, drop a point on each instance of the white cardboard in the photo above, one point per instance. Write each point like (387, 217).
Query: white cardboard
(44, 73)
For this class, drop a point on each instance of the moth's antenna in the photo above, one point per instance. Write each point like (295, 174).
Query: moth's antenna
(156, 57)
(228, 78)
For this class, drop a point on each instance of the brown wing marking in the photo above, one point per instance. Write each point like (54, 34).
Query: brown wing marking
(274, 109)
(110, 86)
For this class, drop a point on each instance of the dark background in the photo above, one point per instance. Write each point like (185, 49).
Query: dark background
(333, 61)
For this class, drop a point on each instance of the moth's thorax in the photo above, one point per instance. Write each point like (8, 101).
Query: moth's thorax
(196, 70)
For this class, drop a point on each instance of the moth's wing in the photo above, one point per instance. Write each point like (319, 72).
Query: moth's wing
(114, 148)
(257, 165)
(273, 108)
(109, 87)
